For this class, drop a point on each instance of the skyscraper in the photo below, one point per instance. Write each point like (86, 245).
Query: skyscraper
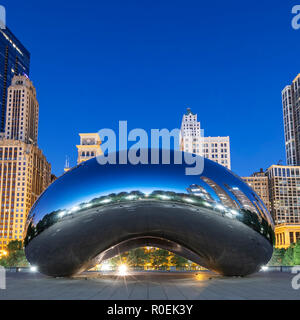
(291, 121)
(24, 170)
(14, 60)
(191, 140)
(24, 174)
(22, 111)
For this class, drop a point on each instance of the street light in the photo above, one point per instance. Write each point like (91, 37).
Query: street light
(122, 270)
(33, 269)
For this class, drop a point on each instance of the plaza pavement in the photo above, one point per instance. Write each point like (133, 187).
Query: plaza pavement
(149, 286)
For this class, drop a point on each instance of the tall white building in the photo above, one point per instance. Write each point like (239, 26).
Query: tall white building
(192, 140)
(22, 111)
(291, 121)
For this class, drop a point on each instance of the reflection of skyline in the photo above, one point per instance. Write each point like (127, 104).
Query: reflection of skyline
(166, 198)
(116, 191)
(91, 180)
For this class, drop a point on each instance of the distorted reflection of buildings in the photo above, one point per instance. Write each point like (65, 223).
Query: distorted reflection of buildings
(240, 212)
(225, 199)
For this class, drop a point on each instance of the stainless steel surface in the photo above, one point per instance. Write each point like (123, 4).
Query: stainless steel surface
(94, 212)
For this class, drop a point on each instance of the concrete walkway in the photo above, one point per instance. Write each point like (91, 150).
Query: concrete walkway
(150, 285)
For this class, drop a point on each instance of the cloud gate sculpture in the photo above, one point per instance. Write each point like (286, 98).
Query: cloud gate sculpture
(95, 212)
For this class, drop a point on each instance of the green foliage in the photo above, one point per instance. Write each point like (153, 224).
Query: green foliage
(159, 258)
(288, 259)
(16, 255)
(138, 257)
(297, 253)
(14, 246)
(155, 258)
(277, 257)
(179, 261)
(116, 261)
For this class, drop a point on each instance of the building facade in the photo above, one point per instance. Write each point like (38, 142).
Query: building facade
(259, 182)
(192, 140)
(291, 121)
(24, 170)
(22, 111)
(24, 174)
(89, 146)
(284, 190)
(14, 60)
(286, 234)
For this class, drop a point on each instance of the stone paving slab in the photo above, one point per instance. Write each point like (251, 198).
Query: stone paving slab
(150, 286)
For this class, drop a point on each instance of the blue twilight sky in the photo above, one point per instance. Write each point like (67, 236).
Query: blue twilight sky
(97, 62)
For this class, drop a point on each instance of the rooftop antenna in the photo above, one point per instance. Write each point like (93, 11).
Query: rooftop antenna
(67, 164)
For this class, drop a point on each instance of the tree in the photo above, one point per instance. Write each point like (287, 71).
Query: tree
(159, 258)
(297, 253)
(288, 259)
(138, 257)
(16, 255)
(277, 257)
(179, 261)
(117, 260)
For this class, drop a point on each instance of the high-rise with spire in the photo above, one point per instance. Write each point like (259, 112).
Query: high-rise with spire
(22, 111)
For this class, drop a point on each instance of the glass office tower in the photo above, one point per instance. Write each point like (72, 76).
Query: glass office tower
(14, 60)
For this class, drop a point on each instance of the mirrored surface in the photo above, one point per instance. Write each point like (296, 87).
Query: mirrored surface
(216, 196)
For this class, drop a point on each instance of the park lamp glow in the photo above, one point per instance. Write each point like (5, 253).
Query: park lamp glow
(108, 200)
(189, 200)
(105, 266)
(207, 204)
(122, 270)
(130, 197)
(164, 197)
(61, 214)
(264, 268)
(33, 268)
(74, 209)
(220, 207)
